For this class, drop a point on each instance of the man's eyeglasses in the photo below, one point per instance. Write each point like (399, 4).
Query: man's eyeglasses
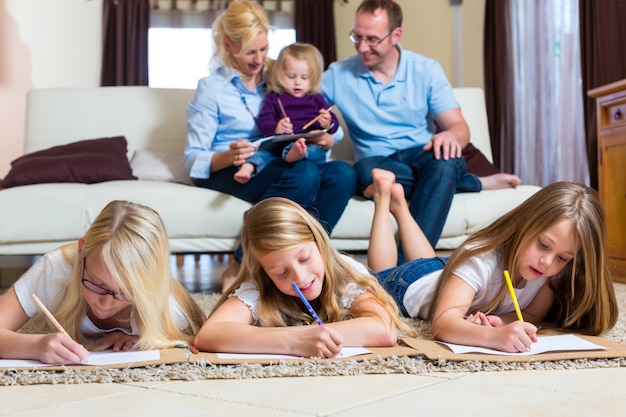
(97, 289)
(369, 40)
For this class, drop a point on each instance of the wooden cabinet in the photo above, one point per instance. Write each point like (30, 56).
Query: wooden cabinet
(611, 112)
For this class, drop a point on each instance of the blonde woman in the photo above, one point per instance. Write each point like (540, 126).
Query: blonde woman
(222, 124)
(113, 289)
(285, 246)
(553, 244)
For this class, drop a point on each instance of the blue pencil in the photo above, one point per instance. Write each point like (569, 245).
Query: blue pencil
(306, 304)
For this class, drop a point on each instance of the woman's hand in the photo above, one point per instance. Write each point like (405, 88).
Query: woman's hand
(284, 127)
(316, 341)
(117, 340)
(59, 348)
(324, 140)
(240, 150)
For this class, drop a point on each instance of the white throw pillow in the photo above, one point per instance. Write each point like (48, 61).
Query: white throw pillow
(159, 166)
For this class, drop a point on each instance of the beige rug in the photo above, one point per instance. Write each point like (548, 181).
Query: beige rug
(418, 364)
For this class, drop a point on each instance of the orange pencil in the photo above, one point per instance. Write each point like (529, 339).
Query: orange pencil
(315, 119)
(50, 316)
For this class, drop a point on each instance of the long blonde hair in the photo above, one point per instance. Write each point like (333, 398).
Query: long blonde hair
(132, 242)
(584, 293)
(277, 224)
(301, 52)
(240, 24)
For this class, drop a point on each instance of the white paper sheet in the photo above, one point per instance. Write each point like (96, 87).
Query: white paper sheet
(345, 353)
(567, 342)
(95, 359)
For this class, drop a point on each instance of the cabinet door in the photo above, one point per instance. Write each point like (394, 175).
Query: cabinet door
(614, 191)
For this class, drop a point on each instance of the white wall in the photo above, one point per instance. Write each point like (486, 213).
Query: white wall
(428, 28)
(44, 44)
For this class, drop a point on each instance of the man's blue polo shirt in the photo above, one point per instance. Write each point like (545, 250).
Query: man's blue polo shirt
(383, 119)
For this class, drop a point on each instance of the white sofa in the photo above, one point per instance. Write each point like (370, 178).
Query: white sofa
(37, 218)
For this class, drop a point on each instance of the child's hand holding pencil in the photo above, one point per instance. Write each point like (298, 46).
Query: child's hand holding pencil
(518, 311)
(68, 351)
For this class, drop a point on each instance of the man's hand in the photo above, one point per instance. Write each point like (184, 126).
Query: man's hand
(444, 145)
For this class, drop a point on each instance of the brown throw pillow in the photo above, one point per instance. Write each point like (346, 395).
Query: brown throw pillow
(87, 161)
(476, 163)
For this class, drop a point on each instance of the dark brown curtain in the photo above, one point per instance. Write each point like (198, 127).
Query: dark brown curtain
(603, 61)
(499, 83)
(315, 24)
(125, 38)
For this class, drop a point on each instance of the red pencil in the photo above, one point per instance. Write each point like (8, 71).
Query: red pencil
(282, 109)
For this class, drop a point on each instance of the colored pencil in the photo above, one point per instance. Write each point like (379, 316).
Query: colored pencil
(315, 119)
(282, 109)
(307, 304)
(509, 284)
(49, 316)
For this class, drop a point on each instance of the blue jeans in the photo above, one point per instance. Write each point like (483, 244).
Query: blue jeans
(323, 190)
(429, 184)
(270, 151)
(396, 280)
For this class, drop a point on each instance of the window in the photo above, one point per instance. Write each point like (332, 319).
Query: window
(179, 57)
(180, 42)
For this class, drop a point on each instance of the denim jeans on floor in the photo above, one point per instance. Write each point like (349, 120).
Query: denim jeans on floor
(397, 280)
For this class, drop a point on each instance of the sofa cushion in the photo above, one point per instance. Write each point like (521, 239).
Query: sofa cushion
(87, 161)
(159, 166)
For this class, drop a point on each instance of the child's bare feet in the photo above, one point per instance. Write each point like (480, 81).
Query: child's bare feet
(245, 173)
(398, 200)
(499, 181)
(383, 180)
(297, 151)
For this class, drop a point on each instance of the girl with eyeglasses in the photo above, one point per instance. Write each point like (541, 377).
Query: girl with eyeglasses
(113, 289)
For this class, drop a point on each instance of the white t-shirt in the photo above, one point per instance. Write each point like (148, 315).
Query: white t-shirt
(48, 277)
(485, 274)
(248, 292)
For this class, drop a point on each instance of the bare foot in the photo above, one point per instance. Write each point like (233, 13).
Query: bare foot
(245, 173)
(499, 181)
(230, 275)
(369, 191)
(385, 186)
(297, 151)
(383, 180)
(382, 183)
(398, 200)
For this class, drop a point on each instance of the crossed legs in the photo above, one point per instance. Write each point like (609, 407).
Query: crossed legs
(389, 200)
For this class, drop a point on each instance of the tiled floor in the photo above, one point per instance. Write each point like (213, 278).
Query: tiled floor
(588, 392)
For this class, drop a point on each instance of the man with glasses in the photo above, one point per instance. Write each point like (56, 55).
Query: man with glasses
(390, 99)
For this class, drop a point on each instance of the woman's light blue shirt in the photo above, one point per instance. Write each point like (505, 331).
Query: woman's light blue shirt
(218, 116)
